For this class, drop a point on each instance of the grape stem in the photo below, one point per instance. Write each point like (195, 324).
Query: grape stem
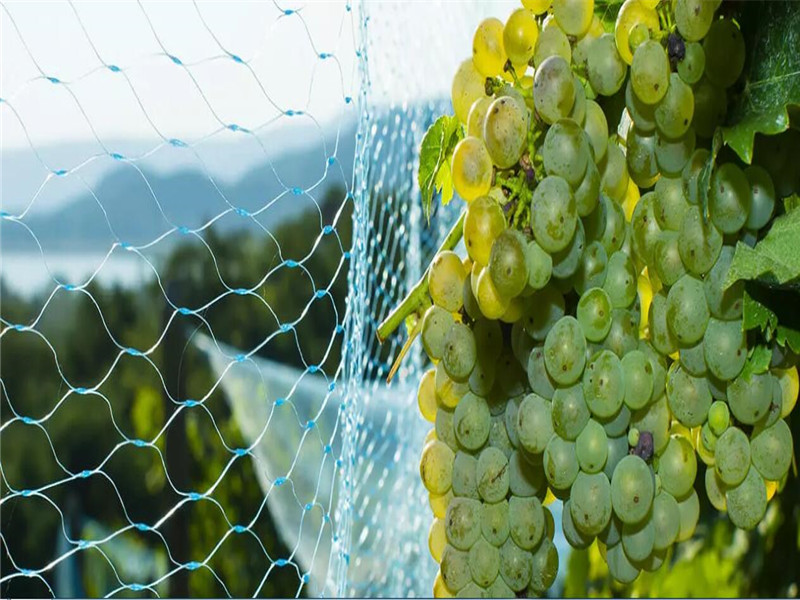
(404, 350)
(415, 298)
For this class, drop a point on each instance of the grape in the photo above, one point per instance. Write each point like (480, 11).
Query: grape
(689, 509)
(448, 392)
(732, 456)
(693, 359)
(724, 303)
(715, 490)
(437, 538)
(771, 450)
(641, 157)
(615, 174)
(560, 463)
(534, 423)
(539, 380)
(614, 233)
(650, 72)
(426, 396)
(553, 214)
(666, 519)
(693, 63)
(693, 18)
(762, 197)
(638, 539)
(667, 258)
(620, 283)
(460, 352)
(484, 562)
(463, 523)
(444, 428)
(596, 127)
(573, 535)
(519, 36)
(645, 230)
(477, 116)
(670, 203)
(591, 272)
(544, 567)
(724, 50)
(471, 168)
(552, 42)
(526, 521)
(565, 262)
(436, 467)
(565, 351)
(468, 86)
(659, 367)
(471, 590)
(483, 374)
(661, 335)
(691, 175)
(498, 436)
(631, 15)
(488, 54)
(642, 115)
(605, 67)
(492, 475)
(553, 87)
(747, 502)
(446, 281)
(591, 447)
(439, 503)
(569, 412)
(689, 398)
(677, 467)
(604, 384)
(494, 522)
(710, 107)
(673, 155)
(594, 314)
(616, 425)
(749, 397)
(515, 565)
(507, 266)
(537, 6)
(483, 223)
(455, 568)
(435, 326)
(718, 417)
(471, 421)
(617, 450)
(638, 375)
(524, 479)
(675, 111)
(619, 565)
(492, 304)
(464, 472)
(632, 489)
(499, 589)
(590, 503)
(539, 265)
(573, 16)
(505, 131)
(729, 198)
(566, 151)
(725, 348)
(687, 311)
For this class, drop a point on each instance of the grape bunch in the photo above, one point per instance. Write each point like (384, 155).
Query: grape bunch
(589, 347)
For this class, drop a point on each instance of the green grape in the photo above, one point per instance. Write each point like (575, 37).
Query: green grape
(470, 302)
(693, 63)
(677, 467)
(534, 423)
(620, 283)
(638, 539)
(614, 233)
(630, 19)
(687, 311)
(715, 490)
(499, 589)
(471, 590)
(632, 489)
(444, 428)
(526, 521)
(435, 326)
(565, 351)
(510, 418)
(507, 265)
(591, 272)
(587, 194)
(725, 348)
(615, 174)
(691, 176)
(560, 463)
(573, 535)
(710, 108)
(623, 335)
(616, 425)
(539, 265)
(553, 87)
(552, 42)
(670, 203)
(718, 417)
(546, 308)
(693, 359)
(689, 398)
(544, 567)
(448, 392)
(498, 436)
(471, 169)
(505, 131)
(541, 383)
(464, 469)
(493, 305)
(590, 503)
(642, 115)
(749, 397)
(594, 314)
(655, 419)
(471, 421)
(519, 36)
(667, 258)
(455, 568)
(566, 151)
(689, 509)
(460, 352)
(436, 467)
(426, 396)
(661, 336)
(707, 438)
(446, 281)
(673, 155)
(604, 384)
(566, 261)
(484, 563)
(492, 475)
(675, 111)
(591, 448)
(639, 34)
(468, 86)
(641, 158)
(488, 54)
(650, 72)
(477, 116)
(524, 479)
(483, 375)
(596, 127)
(724, 49)
(573, 16)
(463, 523)
(605, 66)
(483, 223)
(693, 18)
(762, 192)
(645, 230)
(617, 450)
(666, 519)
(569, 412)
(732, 456)
(494, 522)
(638, 375)
(747, 502)
(771, 450)
(658, 366)
(619, 565)
(515, 566)
(724, 303)
(729, 198)
(553, 214)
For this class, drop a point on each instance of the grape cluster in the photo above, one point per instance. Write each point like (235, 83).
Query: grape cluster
(587, 348)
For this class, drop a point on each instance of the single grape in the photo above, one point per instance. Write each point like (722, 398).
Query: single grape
(534, 423)
(569, 411)
(672, 155)
(771, 450)
(463, 523)
(426, 396)
(614, 181)
(596, 127)
(605, 66)
(724, 50)
(623, 335)
(537, 6)
(763, 196)
(455, 568)
(670, 203)
(661, 336)
(658, 366)
(499, 589)
(465, 468)
(591, 272)
(687, 312)
(645, 230)
(749, 398)
(614, 234)
(494, 522)
(654, 418)
(620, 283)
(573, 535)
(505, 131)
(604, 384)
(591, 447)
(460, 352)
(667, 258)
(471, 169)
(747, 501)
(565, 351)
(693, 359)
(677, 467)
(488, 54)
(689, 397)
(632, 489)
(448, 392)
(492, 475)
(715, 490)
(477, 116)
(520, 35)
(436, 467)
(484, 562)
(590, 503)
(620, 566)
(546, 308)
(541, 383)
(729, 198)
(566, 261)
(641, 158)
(689, 509)
(525, 480)
(718, 417)
(515, 566)
(553, 214)
(675, 111)
(544, 568)
(526, 521)
(666, 520)
(710, 107)
(693, 18)
(553, 88)
(468, 86)
(444, 428)
(617, 424)
(638, 539)
(560, 463)
(507, 265)
(483, 223)
(539, 265)
(650, 72)
(436, 325)
(693, 64)
(642, 115)
(493, 305)
(725, 346)
(638, 375)
(446, 281)
(594, 314)
(573, 16)
(617, 450)
(732, 456)
(552, 41)
(471, 421)
(566, 151)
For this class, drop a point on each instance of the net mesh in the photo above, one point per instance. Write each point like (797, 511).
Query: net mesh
(206, 210)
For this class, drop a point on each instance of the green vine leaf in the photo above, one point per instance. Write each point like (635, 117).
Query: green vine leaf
(767, 311)
(758, 361)
(771, 94)
(434, 155)
(704, 179)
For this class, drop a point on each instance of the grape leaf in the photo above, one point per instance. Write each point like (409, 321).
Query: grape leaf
(775, 260)
(434, 170)
(704, 179)
(791, 202)
(771, 94)
(758, 361)
(769, 312)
